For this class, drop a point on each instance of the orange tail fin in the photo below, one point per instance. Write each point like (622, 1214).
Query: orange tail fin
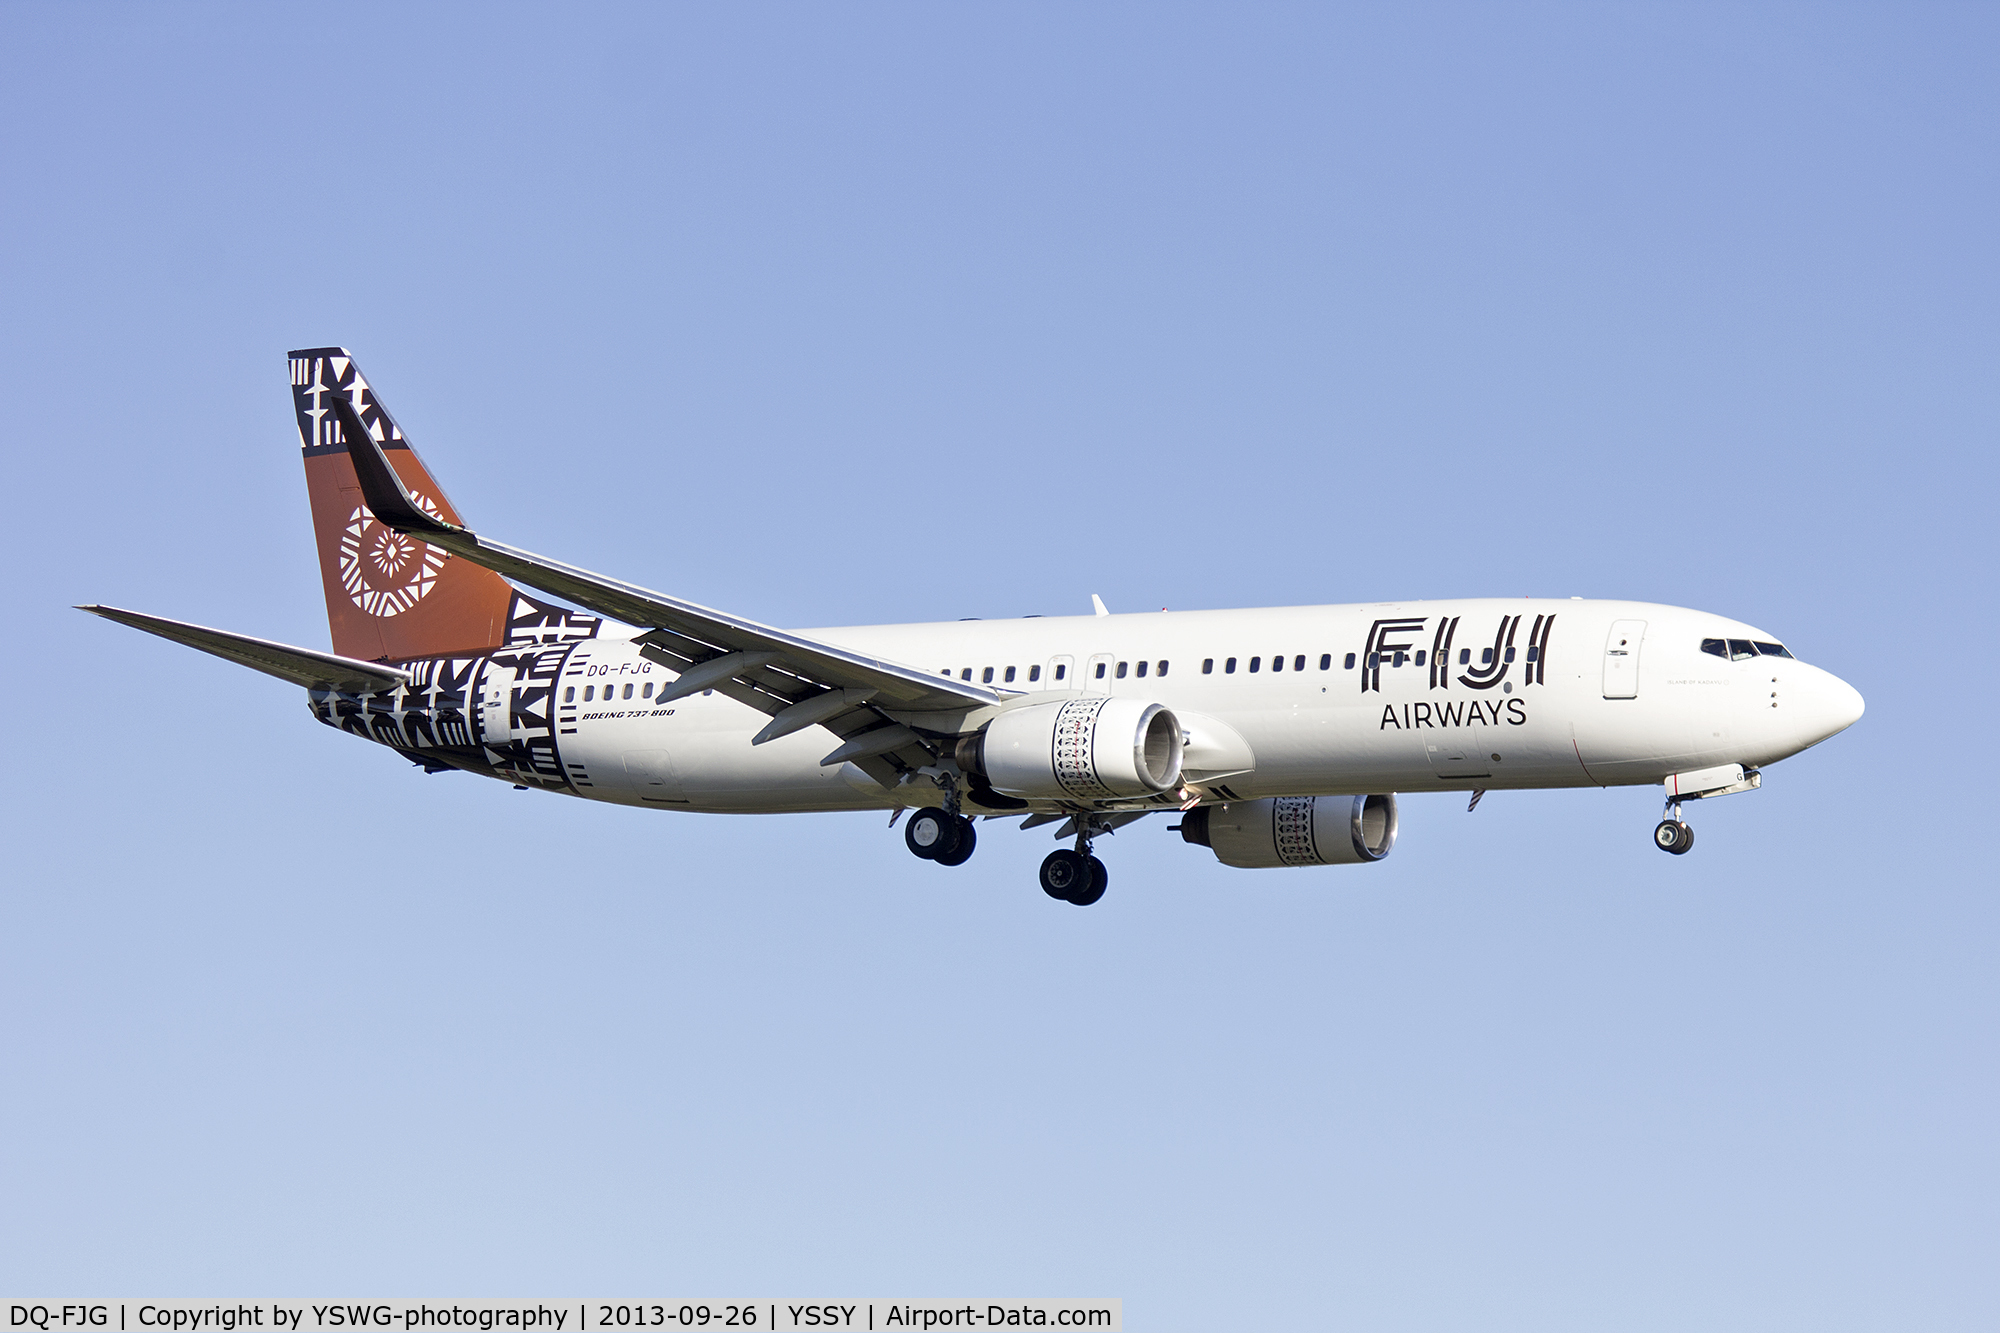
(390, 597)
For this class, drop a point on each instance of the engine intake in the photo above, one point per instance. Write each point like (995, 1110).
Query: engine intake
(1295, 830)
(1089, 748)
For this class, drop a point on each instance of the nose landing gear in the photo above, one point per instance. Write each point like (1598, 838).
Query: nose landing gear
(1673, 835)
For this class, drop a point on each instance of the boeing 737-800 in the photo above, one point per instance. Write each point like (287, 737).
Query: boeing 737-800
(1279, 737)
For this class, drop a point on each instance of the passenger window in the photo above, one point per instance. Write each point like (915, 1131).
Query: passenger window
(1464, 656)
(1420, 657)
(1326, 662)
(1715, 647)
(1510, 653)
(1121, 671)
(1141, 672)
(986, 676)
(1350, 662)
(569, 695)
(1256, 662)
(1034, 672)
(1161, 670)
(1772, 649)
(1207, 666)
(1062, 669)
(1299, 663)
(1229, 667)
(1397, 660)
(1374, 660)
(1009, 677)
(646, 690)
(588, 691)
(628, 691)
(1486, 657)
(1741, 650)
(1277, 663)
(965, 674)
(1534, 651)
(1100, 671)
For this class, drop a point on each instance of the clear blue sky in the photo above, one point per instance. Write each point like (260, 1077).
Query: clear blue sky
(837, 314)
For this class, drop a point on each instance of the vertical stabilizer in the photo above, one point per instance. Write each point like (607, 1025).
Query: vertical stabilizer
(388, 596)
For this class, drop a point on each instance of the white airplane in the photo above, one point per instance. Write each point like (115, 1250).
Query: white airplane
(1278, 736)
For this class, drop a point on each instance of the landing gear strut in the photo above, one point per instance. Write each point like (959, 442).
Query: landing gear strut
(1673, 835)
(1076, 876)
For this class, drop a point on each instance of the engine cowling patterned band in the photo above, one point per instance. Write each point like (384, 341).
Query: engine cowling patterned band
(1292, 831)
(1074, 752)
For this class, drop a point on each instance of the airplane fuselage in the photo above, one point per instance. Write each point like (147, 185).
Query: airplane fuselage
(1318, 700)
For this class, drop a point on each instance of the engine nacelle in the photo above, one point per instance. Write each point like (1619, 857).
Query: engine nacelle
(1295, 830)
(1089, 748)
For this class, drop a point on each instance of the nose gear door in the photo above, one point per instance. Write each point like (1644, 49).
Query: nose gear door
(1621, 659)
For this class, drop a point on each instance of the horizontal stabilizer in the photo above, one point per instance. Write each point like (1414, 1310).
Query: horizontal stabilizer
(300, 666)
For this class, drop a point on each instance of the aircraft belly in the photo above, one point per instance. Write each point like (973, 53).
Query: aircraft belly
(723, 771)
(676, 762)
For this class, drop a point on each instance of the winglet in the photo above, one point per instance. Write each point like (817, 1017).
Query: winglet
(1098, 603)
(380, 486)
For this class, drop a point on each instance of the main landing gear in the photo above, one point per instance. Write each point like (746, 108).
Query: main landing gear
(1076, 876)
(940, 833)
(1673, 835)
(937, 835)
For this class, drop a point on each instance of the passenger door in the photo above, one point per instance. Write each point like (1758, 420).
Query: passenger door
(1621, 659)
(1097, 674)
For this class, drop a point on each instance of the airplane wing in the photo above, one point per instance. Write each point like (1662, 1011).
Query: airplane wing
(791, 678)
(300, 666)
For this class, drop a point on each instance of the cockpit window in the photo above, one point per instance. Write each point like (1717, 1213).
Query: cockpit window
(1742, 650)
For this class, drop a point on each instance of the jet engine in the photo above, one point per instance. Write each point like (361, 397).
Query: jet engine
(1295, 830)
(1089, 748)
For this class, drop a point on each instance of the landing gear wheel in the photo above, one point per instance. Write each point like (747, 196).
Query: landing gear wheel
(1673, 836)
(1063, 873)
(931, 833)
(960, 854)
(1100, 879)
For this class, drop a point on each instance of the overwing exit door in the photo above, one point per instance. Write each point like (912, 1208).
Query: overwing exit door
(1621, 659)
(1097, 673)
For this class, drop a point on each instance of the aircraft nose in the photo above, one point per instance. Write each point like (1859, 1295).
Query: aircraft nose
(1833, 706)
